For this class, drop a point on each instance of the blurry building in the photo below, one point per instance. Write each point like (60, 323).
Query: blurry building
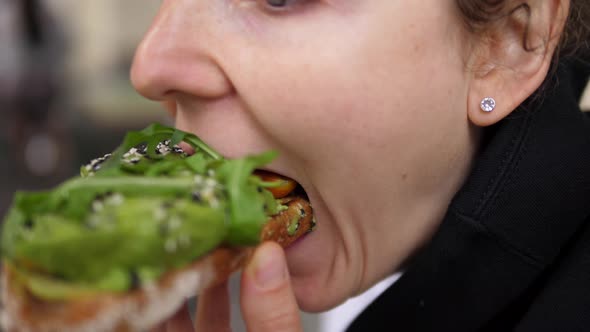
(65, 94)
(104, 35)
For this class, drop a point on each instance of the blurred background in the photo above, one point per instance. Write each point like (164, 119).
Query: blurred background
(65, 98)
(65, 95)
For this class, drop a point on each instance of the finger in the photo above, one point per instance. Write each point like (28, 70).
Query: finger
(213, 313)
(159, 328)
(181, 322)
(267, 299)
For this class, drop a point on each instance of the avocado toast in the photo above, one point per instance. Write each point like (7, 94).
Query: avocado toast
(123, 245)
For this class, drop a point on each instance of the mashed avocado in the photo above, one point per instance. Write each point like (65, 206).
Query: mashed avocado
(133, 215)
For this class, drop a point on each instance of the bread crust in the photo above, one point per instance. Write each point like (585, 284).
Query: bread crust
(150, 304)
(136, 310)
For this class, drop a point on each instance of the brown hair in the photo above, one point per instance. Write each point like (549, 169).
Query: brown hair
(575, 39)
(573, 45)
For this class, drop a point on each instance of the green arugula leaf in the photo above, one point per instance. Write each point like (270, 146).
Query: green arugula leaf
(247, 206)
(136, 213)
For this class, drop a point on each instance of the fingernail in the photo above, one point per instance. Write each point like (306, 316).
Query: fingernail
(269, 268)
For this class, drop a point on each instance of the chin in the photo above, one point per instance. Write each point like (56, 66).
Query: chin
(312, 262)
(317, 293)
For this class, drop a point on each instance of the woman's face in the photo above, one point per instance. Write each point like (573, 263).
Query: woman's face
(364, 100)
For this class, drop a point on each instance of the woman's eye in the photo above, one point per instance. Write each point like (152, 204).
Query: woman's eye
(277, 3)
(284, 6)
(281, 4)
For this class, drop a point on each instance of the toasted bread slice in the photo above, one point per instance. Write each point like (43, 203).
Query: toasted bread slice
(150, 304)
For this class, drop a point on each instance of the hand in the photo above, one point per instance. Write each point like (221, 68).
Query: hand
(267, 299)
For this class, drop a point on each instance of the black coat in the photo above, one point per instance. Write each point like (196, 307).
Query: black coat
(513, 251)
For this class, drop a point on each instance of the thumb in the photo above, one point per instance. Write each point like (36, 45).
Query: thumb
(268, 302)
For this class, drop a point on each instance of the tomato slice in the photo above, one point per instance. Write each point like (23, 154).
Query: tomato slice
(284, 185)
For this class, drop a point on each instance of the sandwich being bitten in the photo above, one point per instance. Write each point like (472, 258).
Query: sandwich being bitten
(122, 247)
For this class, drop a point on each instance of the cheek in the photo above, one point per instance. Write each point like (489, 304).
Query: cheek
(363, 91)
(341, 104)
(376, 105)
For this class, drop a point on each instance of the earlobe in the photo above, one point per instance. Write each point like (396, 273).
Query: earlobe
(514, 60)
(494, 96)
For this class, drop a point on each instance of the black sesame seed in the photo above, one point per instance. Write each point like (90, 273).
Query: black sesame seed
(93, 208)
(302, 213)
(265, 206)
(29, 223)
(141, 148)
(313, 226)
(196, 196)
(95, 164)
(134, 280)
(259, 189)
(158, 149)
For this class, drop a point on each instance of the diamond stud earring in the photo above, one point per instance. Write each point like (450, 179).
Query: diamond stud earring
(488, 104)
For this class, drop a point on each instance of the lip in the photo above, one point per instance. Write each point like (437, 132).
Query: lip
(187, 148)
(284, 173)
(302, 188)
(298, 242)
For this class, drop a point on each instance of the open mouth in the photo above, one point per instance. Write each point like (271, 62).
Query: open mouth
(285, 186)
(289, 186)
(295, 219)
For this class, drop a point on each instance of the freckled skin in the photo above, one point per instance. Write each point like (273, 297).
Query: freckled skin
(366, 107)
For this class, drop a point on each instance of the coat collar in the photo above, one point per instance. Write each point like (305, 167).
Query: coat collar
(527, 195)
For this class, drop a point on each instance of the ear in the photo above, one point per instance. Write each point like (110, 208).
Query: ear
(513, 57)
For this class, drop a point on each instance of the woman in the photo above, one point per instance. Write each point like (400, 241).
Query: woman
(401, 120)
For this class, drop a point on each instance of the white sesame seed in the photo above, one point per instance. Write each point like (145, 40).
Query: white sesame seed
(184, 240)
(93, 221)
(199, 179)
(210, 182)
(116, 199)
(97, 206)
(170, 246)
(175, 223)
(159, 213)
(207, 194)
(214, 202)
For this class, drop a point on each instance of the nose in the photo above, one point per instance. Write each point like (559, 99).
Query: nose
(177, 54)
